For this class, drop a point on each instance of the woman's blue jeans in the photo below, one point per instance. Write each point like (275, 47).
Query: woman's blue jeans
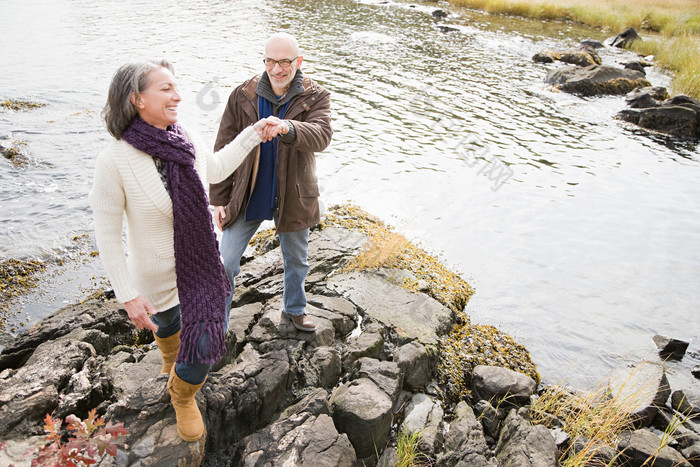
(169, 323)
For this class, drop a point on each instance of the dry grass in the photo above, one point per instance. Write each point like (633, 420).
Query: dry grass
(674, 26)
(388, 249)
(596, 418)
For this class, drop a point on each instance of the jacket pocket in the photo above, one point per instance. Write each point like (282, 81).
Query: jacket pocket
(307, 190)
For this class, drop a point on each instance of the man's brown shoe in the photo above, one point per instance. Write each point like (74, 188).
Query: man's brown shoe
(301, 322)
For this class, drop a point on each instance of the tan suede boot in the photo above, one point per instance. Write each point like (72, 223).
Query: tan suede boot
(190, 426)
(169, 347)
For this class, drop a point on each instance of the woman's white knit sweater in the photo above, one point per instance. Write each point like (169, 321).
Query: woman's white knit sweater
(127, 182)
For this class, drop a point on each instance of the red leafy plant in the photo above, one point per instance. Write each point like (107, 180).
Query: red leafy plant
(90, 439)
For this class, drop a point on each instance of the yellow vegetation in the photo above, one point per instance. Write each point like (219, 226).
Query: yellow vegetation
(673, 27)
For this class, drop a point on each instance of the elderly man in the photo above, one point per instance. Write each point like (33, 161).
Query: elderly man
(278, 181)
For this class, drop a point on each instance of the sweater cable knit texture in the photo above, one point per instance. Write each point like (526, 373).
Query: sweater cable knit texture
(201, 281)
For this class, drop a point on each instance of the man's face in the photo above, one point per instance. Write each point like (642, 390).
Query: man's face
(280, 76)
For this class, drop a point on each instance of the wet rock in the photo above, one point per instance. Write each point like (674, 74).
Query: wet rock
(386, 375)
(491, 417)
(412, 316)
(579, 57)
(596, 80)
(424, 415)
(443, 28)
(669, 347)
(643, 388)
(415, 362)
(465, 444)
(682, 100)
(686, 402)
(362, 411)
(623, 40)
(368, 344)
(501, 386)
(303, 435)
(672, 120)
(439, 14)
(521, 444)
(591, 43)
(636, 66)
(696, 371)
(642, 98)
(637, 447)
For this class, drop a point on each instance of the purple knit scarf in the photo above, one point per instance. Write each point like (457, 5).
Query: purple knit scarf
(202, 284)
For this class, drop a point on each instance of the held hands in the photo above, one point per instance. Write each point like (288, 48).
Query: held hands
(268, 128)
(139, 311)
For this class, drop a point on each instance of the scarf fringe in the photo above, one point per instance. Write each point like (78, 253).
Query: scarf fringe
(190, 337)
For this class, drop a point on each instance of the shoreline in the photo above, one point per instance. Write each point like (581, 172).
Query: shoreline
(377, 354)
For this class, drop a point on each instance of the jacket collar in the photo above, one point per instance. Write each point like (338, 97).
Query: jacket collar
(251, 86)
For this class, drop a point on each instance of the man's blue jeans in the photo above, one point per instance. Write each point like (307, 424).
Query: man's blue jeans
(294, 250)
(169, 323)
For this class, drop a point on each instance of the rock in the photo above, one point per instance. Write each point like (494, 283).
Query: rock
(414, 361)
(642, 388)
(105, 316)
(389, 458)
(34, 389)
(637, 447)
(596, 80)
(413, 316)
(342, 313)
(490, 417)
(669, 347)
(561, 438)
(636, 66)
(424, 415)
(386, 375)
(14, 452)
(696, 371)
(368, 344)
(622, 40)
(501, 386)
(465, 444)
(443, 28)
(686, 402)
(657, 93)
(324, 368)
(597, 453)
(439, 14)
(303, 435)
(362, 411)
(521, 444)
(593, 44)
(672, 120)
(682, 100)
(692, 454)
(580, 57)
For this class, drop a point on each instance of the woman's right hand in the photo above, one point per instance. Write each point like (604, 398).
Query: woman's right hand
(140, 311)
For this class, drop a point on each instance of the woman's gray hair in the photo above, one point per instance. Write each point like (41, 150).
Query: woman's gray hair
(127, 80)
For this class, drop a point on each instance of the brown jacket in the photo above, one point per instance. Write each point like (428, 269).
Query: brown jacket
(297, 185)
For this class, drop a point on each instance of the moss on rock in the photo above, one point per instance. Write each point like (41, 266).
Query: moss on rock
(20, 104)
(469, 345)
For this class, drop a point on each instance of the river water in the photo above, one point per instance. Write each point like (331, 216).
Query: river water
(580, 234)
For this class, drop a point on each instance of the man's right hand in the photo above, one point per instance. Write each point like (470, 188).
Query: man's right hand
(219, 216)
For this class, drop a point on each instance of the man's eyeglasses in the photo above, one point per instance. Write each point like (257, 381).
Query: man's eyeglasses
(284, 63)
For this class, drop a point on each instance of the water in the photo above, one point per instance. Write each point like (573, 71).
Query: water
(580, 234)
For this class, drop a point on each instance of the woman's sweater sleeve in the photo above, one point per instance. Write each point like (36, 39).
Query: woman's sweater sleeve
(228, 158)
(108, 201)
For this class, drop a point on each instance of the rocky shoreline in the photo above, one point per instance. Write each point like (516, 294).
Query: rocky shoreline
(341, 396)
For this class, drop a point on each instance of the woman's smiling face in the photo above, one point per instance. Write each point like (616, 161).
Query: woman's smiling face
(157, 104)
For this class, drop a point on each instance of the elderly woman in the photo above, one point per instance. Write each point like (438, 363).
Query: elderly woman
(172, 282)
